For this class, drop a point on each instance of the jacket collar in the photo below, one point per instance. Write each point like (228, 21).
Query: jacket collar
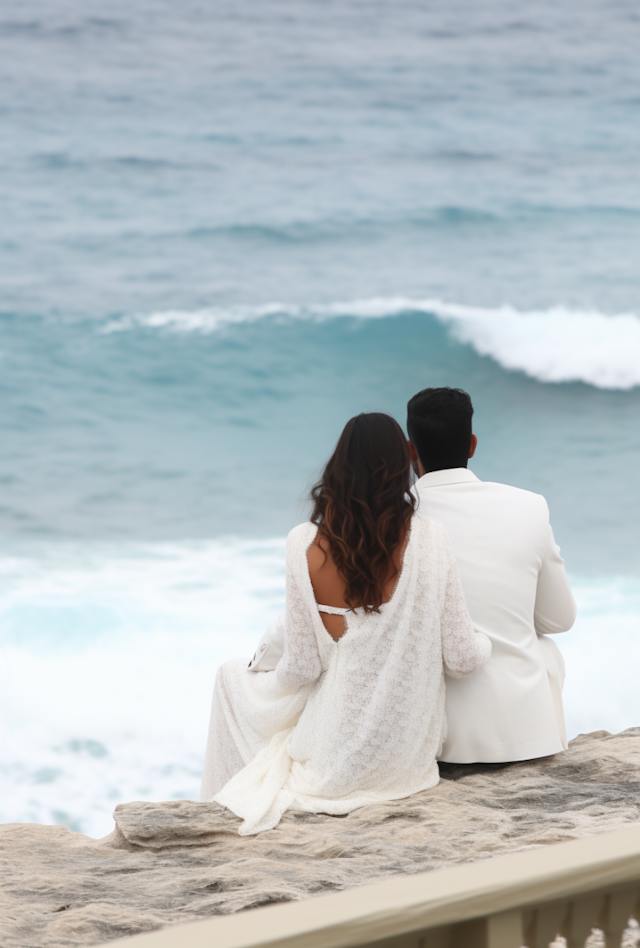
(452, 475)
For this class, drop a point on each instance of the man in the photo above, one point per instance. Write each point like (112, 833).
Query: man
(515, 585)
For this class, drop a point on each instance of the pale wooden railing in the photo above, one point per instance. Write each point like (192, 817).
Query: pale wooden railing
(524, 899)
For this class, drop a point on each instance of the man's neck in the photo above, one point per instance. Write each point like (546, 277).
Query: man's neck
(421, 471)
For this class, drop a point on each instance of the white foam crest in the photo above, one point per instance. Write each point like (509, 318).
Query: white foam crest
(599, 693)
(552, 345)
(206, 320)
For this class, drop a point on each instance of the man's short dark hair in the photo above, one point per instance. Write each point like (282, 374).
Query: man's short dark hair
(439, 425)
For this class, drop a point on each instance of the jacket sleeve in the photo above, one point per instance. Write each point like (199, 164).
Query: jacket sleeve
(555, 608)
(300, 663)
(463, 649)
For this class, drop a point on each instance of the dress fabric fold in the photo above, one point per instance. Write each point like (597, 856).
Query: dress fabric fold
(339, 725)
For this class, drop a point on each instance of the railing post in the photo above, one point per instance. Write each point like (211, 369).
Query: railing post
(504, 930)
(549, 922)
(618, 910)
(583, 917)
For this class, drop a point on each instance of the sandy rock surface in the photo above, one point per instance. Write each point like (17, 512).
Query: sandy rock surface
(179, 861)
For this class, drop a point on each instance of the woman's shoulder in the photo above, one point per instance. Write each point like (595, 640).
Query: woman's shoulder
(431, 532)
(433, 553)
(428, 526)
(301, 536)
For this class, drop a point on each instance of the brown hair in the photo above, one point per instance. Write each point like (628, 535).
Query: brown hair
(362, 505)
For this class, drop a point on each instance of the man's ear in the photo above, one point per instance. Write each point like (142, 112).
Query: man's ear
(474, 445)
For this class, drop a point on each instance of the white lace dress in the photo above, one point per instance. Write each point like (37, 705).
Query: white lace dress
(339, 725)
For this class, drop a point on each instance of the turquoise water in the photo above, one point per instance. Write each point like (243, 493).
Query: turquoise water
(225, 229)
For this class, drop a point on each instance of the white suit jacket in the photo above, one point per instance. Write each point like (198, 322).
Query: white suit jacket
(516, 586)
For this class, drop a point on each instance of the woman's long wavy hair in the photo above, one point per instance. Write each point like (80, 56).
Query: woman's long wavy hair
(363, 503)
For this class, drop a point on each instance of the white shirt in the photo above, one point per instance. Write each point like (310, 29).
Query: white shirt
(516, 586)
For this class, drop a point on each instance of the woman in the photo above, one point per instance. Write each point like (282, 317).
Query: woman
(353, 713)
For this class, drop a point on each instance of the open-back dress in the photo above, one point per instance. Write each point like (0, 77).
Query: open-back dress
(342, 724)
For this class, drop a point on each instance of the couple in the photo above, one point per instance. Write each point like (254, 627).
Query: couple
(389, 590)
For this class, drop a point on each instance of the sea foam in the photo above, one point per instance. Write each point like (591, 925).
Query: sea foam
(552, 345)
(108, 655)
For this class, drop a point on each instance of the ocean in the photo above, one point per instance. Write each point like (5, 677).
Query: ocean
(226, 228)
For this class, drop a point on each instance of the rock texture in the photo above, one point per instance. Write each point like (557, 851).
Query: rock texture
(175, 862)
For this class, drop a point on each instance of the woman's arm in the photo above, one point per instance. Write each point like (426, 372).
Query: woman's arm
(300, 663)
(271, 645)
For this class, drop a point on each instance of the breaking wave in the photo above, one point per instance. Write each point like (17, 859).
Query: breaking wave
(552, 345)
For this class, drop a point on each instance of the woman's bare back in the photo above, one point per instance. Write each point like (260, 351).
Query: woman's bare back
(329, 587)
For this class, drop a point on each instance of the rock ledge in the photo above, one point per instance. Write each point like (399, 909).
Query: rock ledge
(176, 862)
